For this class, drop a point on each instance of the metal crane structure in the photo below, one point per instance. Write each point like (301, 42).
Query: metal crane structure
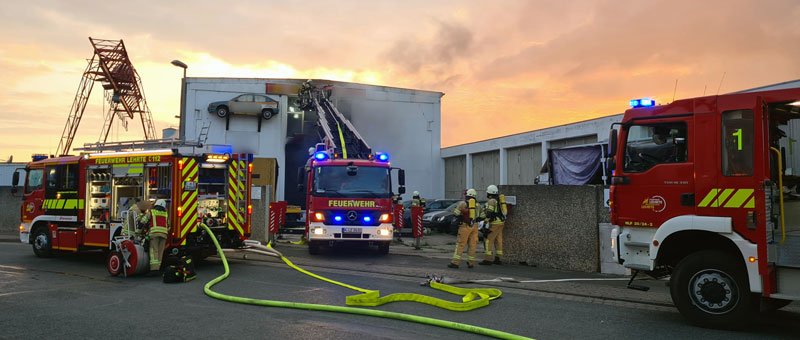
(111, 67)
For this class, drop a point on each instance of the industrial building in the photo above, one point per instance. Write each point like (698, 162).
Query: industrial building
(404, 123)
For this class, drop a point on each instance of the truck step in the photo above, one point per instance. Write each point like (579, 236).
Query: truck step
(789, 251)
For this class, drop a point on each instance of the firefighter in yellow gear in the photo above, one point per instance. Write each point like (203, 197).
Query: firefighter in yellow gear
(469, 212)
(417, 201)
(495, 211)
(158, 233)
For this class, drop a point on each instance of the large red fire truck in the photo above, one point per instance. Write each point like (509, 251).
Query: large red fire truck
(72, 203)
(700, 191)
(348, 187)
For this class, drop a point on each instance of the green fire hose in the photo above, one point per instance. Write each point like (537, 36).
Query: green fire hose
(372, 298)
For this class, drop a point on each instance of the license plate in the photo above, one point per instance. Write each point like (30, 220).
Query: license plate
(351, 230)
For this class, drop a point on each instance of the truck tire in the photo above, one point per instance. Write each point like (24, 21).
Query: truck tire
(42, 244)
(313, 247)
(710, 289)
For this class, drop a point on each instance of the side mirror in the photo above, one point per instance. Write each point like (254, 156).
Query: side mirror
(15, 179)
(401, 177)
(612, 143)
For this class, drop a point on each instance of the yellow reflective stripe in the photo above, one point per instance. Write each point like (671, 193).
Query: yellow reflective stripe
(710, 196)
(722, 197)
(187, 164)
(738, 198)
(70, 204)
(60, 204)
(136, 168)
(80, 204)
(751, 203)
(188, 208)
(192, 174)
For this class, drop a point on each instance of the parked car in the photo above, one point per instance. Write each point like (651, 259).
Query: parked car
(253, 104)
(430, 206)
(443, 220)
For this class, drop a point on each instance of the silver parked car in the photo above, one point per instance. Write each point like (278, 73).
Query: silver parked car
(246, 104)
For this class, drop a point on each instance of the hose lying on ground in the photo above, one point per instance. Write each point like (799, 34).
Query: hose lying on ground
(372, 298)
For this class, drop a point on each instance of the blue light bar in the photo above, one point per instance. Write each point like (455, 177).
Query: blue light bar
(367, 219)
(320, 156)
(644, 102)
(382, 157)
(337, 218)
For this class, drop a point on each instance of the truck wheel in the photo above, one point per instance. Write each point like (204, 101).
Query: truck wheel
(266, 113)
(114, 263)
(222, 111)
(383, 248)
(313, 247)
(711, 289)
(42, 244)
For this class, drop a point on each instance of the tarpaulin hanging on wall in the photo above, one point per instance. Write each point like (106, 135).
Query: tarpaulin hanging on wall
(575, 165)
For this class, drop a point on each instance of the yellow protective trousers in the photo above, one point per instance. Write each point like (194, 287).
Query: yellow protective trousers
(156, 251)
(493, 243)
(467, 236)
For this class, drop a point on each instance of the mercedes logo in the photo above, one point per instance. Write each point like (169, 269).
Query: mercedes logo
(352, 215)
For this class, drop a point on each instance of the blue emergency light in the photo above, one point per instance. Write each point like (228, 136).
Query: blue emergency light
(644, 102)
(367, 219)
(337, 218)
(382, 157)
(320, 156)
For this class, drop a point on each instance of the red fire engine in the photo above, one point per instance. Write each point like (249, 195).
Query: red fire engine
(700, 192)
(348, 187)
(72, 203)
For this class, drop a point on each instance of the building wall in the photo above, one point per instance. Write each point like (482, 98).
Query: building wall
(521, 156)
(404, 123)
(10, 203)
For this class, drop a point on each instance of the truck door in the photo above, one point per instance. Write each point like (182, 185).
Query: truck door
(657, 171)
(33, 195)
(738, 192)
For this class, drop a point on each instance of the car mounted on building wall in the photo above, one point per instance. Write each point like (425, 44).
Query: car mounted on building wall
(253, 104)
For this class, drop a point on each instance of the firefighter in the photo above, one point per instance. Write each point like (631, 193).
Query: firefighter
(417, 201)
(495, 211)
(469, 213)
(158, 233)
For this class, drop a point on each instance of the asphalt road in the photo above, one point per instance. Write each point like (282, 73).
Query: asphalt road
(72, 296)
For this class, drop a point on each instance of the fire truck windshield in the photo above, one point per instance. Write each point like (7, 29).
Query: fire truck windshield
(339, 181)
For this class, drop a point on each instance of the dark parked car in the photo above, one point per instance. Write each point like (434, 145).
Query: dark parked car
(443, 220)
(253, 104)
(430, 206)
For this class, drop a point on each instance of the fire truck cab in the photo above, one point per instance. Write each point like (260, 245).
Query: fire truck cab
(701, 191)
(350, 200)
(73, 203)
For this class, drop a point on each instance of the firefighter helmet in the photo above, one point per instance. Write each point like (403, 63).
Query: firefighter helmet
(161, 203)
(491, 190)
(472, 193)
(416, 193)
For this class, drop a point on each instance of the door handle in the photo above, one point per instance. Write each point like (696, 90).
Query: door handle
(620, 180)
(687, 199)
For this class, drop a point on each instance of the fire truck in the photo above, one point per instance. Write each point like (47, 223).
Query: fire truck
(348, 187)
(701, 192)
(74, 203)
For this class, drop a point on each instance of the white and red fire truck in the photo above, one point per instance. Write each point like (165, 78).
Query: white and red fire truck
(700, 192)
(348, 187)
(73, 203)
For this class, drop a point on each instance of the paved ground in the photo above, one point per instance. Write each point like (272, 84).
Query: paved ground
(72, 296)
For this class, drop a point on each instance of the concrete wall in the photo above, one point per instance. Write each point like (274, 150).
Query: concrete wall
(9, 214)
(554, 226)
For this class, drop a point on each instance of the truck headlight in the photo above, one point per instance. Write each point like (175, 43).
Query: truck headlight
(384, 232)
(319, 231)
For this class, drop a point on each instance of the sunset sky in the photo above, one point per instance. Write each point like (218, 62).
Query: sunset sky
(504, 66)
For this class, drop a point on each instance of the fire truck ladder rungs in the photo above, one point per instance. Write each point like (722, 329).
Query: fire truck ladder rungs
(339, 131)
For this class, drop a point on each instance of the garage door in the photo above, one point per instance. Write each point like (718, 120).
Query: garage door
(523, 164)
(455, 176)
(485, 171)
